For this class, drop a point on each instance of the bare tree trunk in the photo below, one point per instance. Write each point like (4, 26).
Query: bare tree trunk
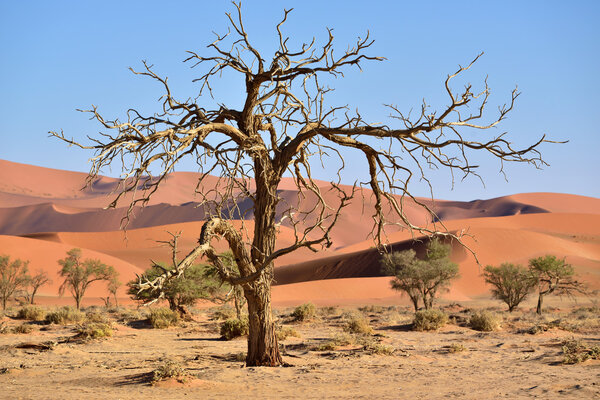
(539, 304)
(415, 301)
(263, 348)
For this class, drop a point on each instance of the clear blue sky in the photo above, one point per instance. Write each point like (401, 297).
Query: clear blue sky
(59, 56)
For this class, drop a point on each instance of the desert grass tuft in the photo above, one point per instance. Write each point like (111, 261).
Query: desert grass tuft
(65, 315)
(233, 328)
(161, 318)
(304, 312)
(429, 320)
(32, 313)
(170, 369)
(485, 321)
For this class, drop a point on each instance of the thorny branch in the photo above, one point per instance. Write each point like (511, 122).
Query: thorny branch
(284, 126)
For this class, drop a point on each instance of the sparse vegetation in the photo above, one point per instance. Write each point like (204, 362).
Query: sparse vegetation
(23, 328)
(576, 351)
(13, 276)
(304, 312)
(161, 318)
(511, 283)
(553, 276)
(421, 280)
(283, 332)
(78, 274)
(456, 348)
(32, 313)
(233, 328)
(485, 321)
(65, 315)
(358, 324)
(94, 330)
(429, 320)
(170, 369)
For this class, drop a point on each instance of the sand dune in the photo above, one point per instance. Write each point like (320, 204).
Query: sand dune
(44, 255)
(47, 207)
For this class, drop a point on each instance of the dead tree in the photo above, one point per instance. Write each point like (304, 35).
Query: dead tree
(283, 127)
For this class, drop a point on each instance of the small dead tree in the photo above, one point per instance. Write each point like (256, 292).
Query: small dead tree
(283, 126)
(553, 275)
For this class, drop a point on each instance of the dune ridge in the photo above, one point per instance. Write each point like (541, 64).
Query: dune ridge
(43, 213)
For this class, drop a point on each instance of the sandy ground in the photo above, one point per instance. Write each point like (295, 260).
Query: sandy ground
(503, 364)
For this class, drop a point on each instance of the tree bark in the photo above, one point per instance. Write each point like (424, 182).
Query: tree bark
(263, 348)
(539, 304)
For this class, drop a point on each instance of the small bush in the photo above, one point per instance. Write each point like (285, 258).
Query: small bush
(97, 316)
(3, 328)
(338, 340)
(485, 321)
(23, 328)
(380, 349)
(575, 352)
(304, 312)
(329, 311)
(372, 309)
(233, 328)
(429, 320)
(94, 330)
(161, 318)
(32, 313)
(64, 316)
(456, 348)
(358, 324)
(283, 332)
(170, 369)
(223, 313)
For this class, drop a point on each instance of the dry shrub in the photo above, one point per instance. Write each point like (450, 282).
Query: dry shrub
(94, 330)
(170, 369)
(128, 315)
(485, 321)
(65, 315)
(223, 313)
(283, 332)
(304, 312)
(233, 328)
(343, 339)
(358, 324)
(32, 313)
(23, 328)
(97, 316)
(429, 320)
(575, 352)
(4, 328)
(329, 311)
(372, 309)
(456, 348)
(161, 318)
(379, 349)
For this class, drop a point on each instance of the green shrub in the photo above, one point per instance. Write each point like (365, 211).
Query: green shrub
(161, 318)
(358, 324)
(32, 313)
(233, 328)
(64, 315)
(485, 321)
(429, 320)
(283, 332)
(304, 312)
(94, 330)
(170, 369)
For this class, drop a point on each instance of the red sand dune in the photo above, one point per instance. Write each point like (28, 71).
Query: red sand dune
(47, 206)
